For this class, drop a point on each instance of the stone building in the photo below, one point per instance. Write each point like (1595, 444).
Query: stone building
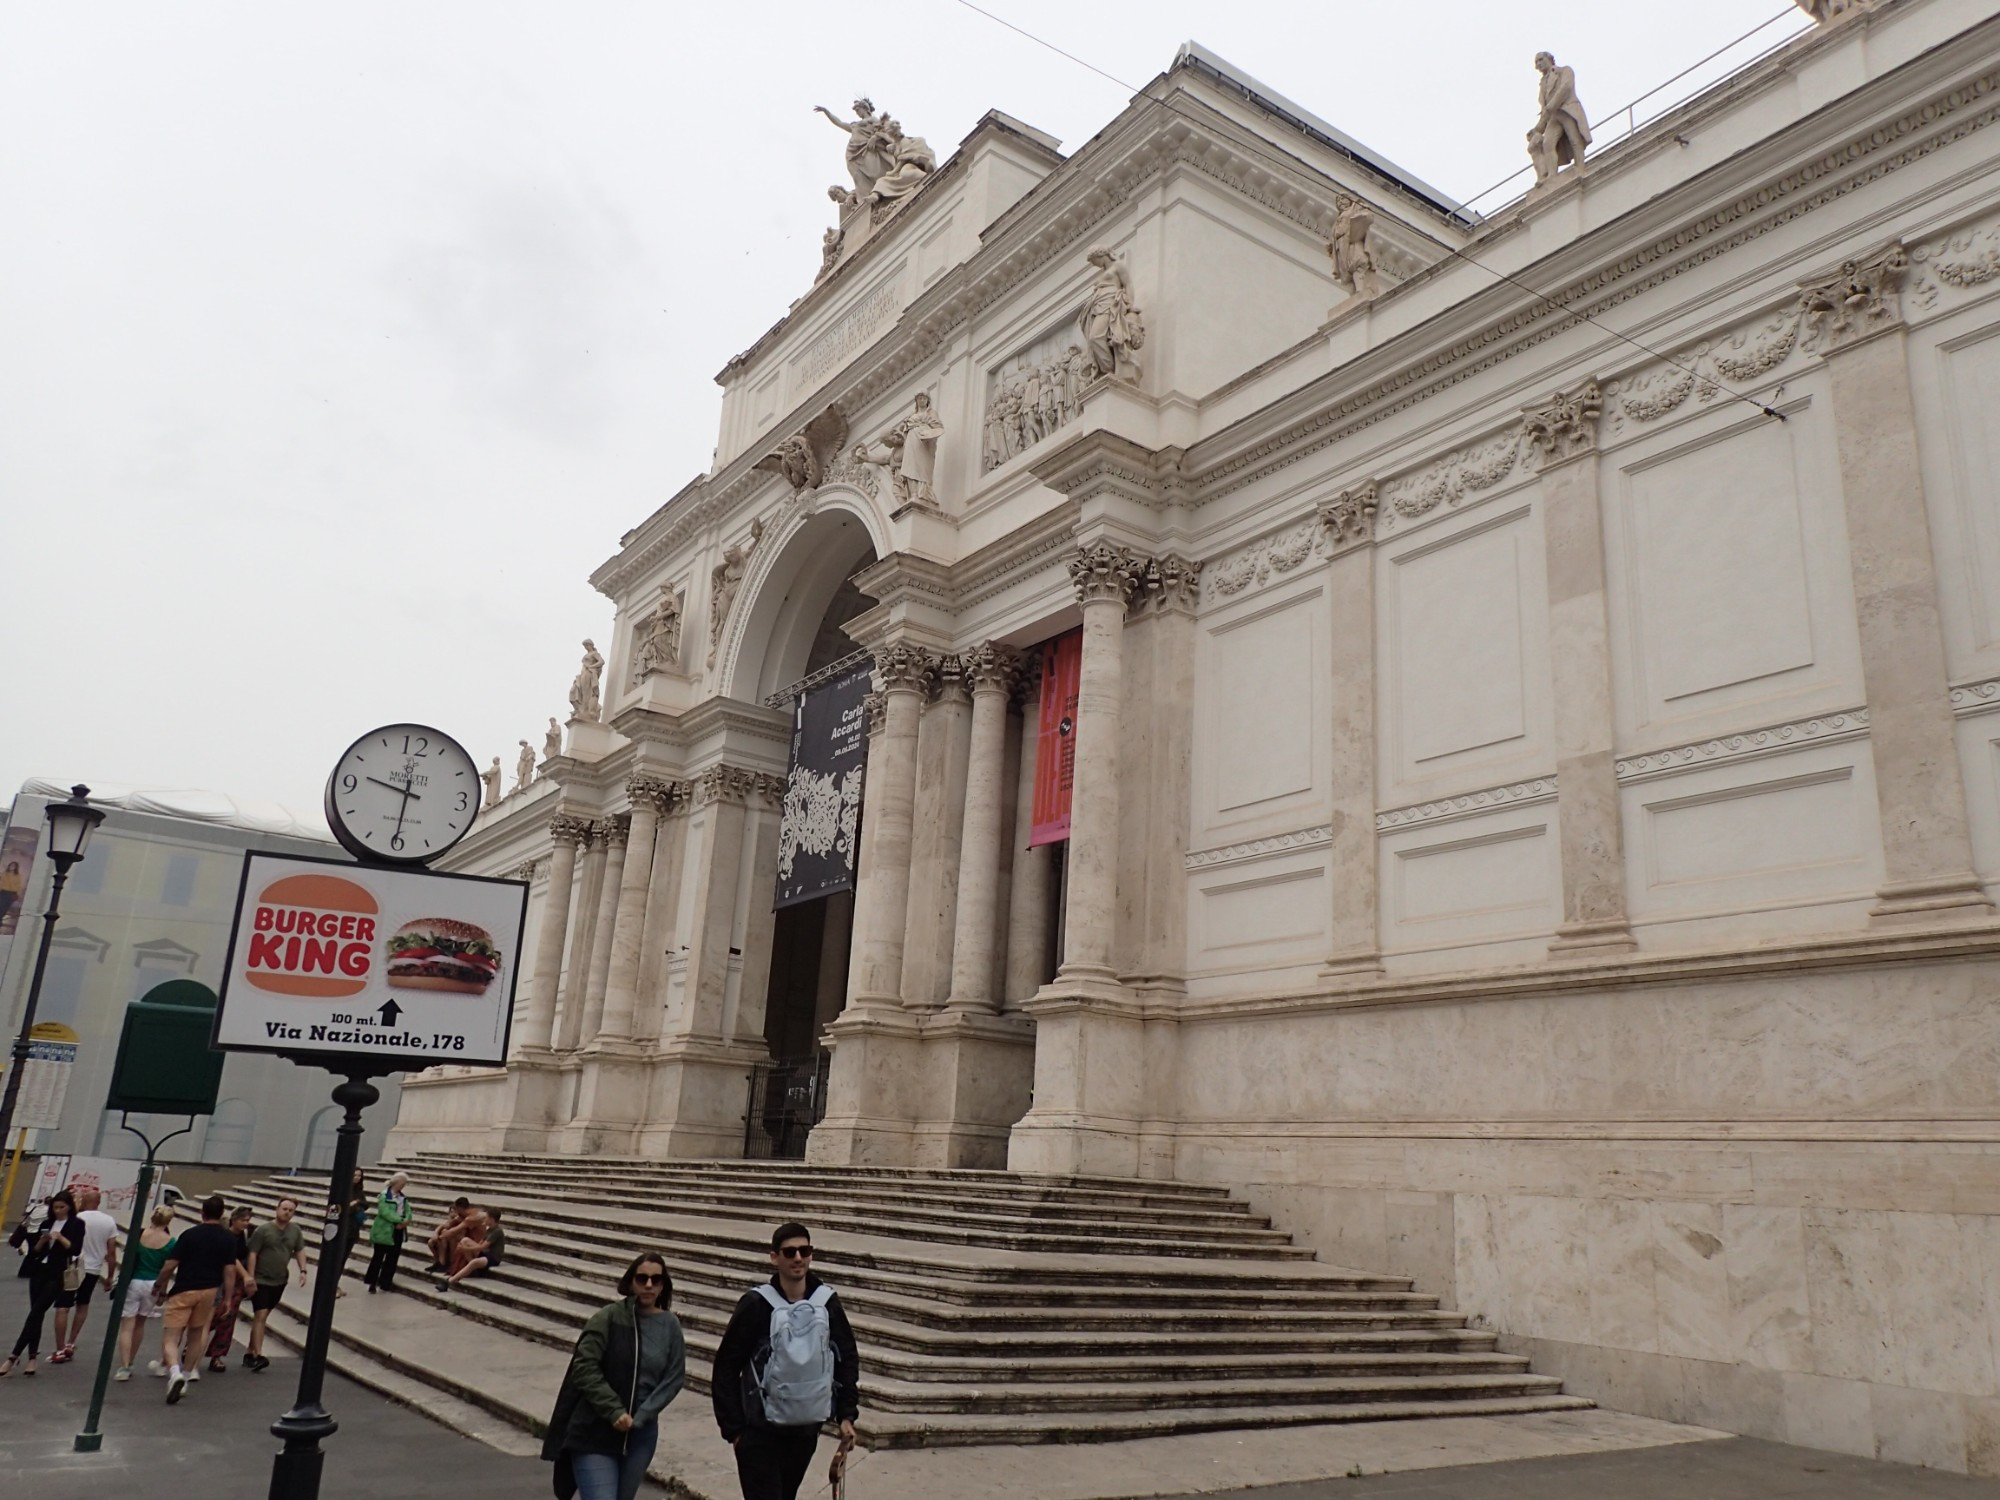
(1536, 796)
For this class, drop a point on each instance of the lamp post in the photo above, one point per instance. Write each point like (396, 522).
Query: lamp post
(70, 825)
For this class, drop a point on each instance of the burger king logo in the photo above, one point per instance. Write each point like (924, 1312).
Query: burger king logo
(312, 935)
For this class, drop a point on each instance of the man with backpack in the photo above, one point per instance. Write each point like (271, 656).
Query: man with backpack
(786, 1366)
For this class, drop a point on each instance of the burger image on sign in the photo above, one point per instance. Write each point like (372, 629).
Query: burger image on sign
(442, 953)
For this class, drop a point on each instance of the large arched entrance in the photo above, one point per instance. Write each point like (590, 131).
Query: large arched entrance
(791, 638)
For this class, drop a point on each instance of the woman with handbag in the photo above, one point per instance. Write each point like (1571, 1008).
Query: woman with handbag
(385, 1234)
(630, 1361)
(50, 1268)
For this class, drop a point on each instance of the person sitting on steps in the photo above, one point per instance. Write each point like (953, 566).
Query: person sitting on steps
(477, 1257)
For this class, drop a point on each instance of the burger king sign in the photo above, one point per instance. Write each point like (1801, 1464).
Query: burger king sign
(402, 964)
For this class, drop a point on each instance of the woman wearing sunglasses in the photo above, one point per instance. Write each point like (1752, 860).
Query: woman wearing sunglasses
(629, 1363)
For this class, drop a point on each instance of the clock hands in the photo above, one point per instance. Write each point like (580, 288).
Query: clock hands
(407, 793)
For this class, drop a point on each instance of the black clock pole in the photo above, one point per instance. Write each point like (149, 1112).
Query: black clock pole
(295, 1471)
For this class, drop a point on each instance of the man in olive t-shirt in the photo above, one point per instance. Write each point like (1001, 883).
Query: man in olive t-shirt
(273, 1245)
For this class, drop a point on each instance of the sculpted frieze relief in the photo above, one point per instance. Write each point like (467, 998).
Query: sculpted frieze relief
(1277, 843)
(1264, 559)
(1033, 394)
(1954, 264)
(1518, 793)
(1448, 480)
(1851, 724)
(657, 637)
(1976, 697)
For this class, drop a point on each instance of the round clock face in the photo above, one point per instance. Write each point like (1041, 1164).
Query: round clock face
(402, 794)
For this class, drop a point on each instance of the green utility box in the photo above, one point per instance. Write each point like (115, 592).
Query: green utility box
(165, 1065)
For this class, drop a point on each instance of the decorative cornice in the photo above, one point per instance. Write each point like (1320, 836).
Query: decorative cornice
(1822, 729)
(1863, 298)
(1566, 427)
(1348, 519)
(1277, 843)
(1514, 794)
(1976, 697)
(1105, 572)
(1864, 158)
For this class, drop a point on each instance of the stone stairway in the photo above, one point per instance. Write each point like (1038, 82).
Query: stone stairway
(989, 1308)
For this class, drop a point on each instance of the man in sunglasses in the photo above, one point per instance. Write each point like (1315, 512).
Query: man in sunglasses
(787, 1365)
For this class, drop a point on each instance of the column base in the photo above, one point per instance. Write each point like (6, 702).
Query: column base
(1360, 963)
(869, 1088)
(699, 1098)
(1599, 939)
(1090, 1067)
(979, 1074)
(611, 1098)
(1922, 903)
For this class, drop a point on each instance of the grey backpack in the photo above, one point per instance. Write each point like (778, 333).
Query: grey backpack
(794, 1380)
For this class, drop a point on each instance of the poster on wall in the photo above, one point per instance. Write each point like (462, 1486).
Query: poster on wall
(411, 965)
(820, 832)
(1055, 738)
(17, 863)
(113, 1176)
(45, 1076)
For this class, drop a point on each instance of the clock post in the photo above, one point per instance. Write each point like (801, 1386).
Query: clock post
(367, 969)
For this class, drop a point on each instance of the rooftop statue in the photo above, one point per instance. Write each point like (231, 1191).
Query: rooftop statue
(524, 767)
(1112, 327)
(913, 162)
(1353, 260)
(552, 741)
(585, 701)
(1562, 131)
(871, 154)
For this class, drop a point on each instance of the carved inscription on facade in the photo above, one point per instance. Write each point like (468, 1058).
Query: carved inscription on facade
(850, 331)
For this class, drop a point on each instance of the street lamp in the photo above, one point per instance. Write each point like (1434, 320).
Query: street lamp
(70, 825)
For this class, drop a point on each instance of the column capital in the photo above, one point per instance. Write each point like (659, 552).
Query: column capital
(1104, 571)
(566, 828)
(617, 829)
(525, 870)
(721, 783)
(876, 707)
(904, 668)
(1171, 582)
(1348, 519)
(1862, 299)
(948, 679)
(992, 668)
(1565, 427)
(652, 792)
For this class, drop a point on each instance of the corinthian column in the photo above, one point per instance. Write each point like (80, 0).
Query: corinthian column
(583, 905)
(1855, 320)
(882, 904)
(615, 830)
(992, 671)
(538, 1025)
(621, 986)
(1564, 432)
(1104, 576)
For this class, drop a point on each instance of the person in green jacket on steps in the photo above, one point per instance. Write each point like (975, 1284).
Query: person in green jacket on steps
(630, 1361)
(385, 1234)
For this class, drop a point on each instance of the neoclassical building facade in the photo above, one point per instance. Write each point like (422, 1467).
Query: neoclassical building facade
(1536, 793)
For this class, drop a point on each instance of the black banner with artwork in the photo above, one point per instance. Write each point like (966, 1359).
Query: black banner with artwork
(821, 828)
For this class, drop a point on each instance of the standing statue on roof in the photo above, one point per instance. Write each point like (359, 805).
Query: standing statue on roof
(870, 152)
(1562, 132)
(912, 162)
(1353, 260)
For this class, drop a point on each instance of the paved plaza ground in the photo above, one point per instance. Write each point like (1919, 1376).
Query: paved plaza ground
(217, 1444)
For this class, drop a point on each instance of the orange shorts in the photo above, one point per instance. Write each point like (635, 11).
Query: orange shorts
(190, 1309)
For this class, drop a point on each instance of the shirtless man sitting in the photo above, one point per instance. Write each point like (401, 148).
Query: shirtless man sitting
(445, 1238)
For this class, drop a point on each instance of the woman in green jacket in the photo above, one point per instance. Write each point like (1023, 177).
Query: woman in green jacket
(629, 1363)
(385, 1234)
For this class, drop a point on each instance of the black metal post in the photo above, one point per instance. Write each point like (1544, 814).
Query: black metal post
(20, 1062)
(90, 1439)
(295, 1471)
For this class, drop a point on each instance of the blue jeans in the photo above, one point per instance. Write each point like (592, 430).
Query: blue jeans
(605, 1476)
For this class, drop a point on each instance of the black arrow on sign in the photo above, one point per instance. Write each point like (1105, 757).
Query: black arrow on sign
(390, 1012)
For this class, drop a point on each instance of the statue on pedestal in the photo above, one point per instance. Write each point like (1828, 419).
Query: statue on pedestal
(492, 777)
(1353, 261)
(659, 647)
(1112, 327)
(524, 767)
(911, 161)
(724, 581)
(910, 451)
(1562, 131)
(585, 703)
(870, 151)
(552, 741)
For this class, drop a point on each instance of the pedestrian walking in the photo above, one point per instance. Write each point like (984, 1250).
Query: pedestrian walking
(237, 1286)
(50, 1262)
(385, 1234)
(274, 1247)
(475, 1257)
(630, 1361)
(190, 1280)
(154, 1250)
(97, 1263)
(786, 1366)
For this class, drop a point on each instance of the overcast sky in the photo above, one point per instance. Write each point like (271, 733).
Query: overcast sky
(338, 343)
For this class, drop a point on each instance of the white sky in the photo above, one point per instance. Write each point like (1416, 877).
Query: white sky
(339, 343)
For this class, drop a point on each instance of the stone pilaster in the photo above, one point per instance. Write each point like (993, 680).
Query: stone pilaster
(1564, 435)
(537, 1026)
(881, 904)
(662, 912)
(1028, 896)
(992, 671)
(649, 797)
(1347, 524)
(1162, 744)
(582, 940)
(944, 738)
(1854, 321)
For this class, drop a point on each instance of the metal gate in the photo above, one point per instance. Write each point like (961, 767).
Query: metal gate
(787, 1098)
